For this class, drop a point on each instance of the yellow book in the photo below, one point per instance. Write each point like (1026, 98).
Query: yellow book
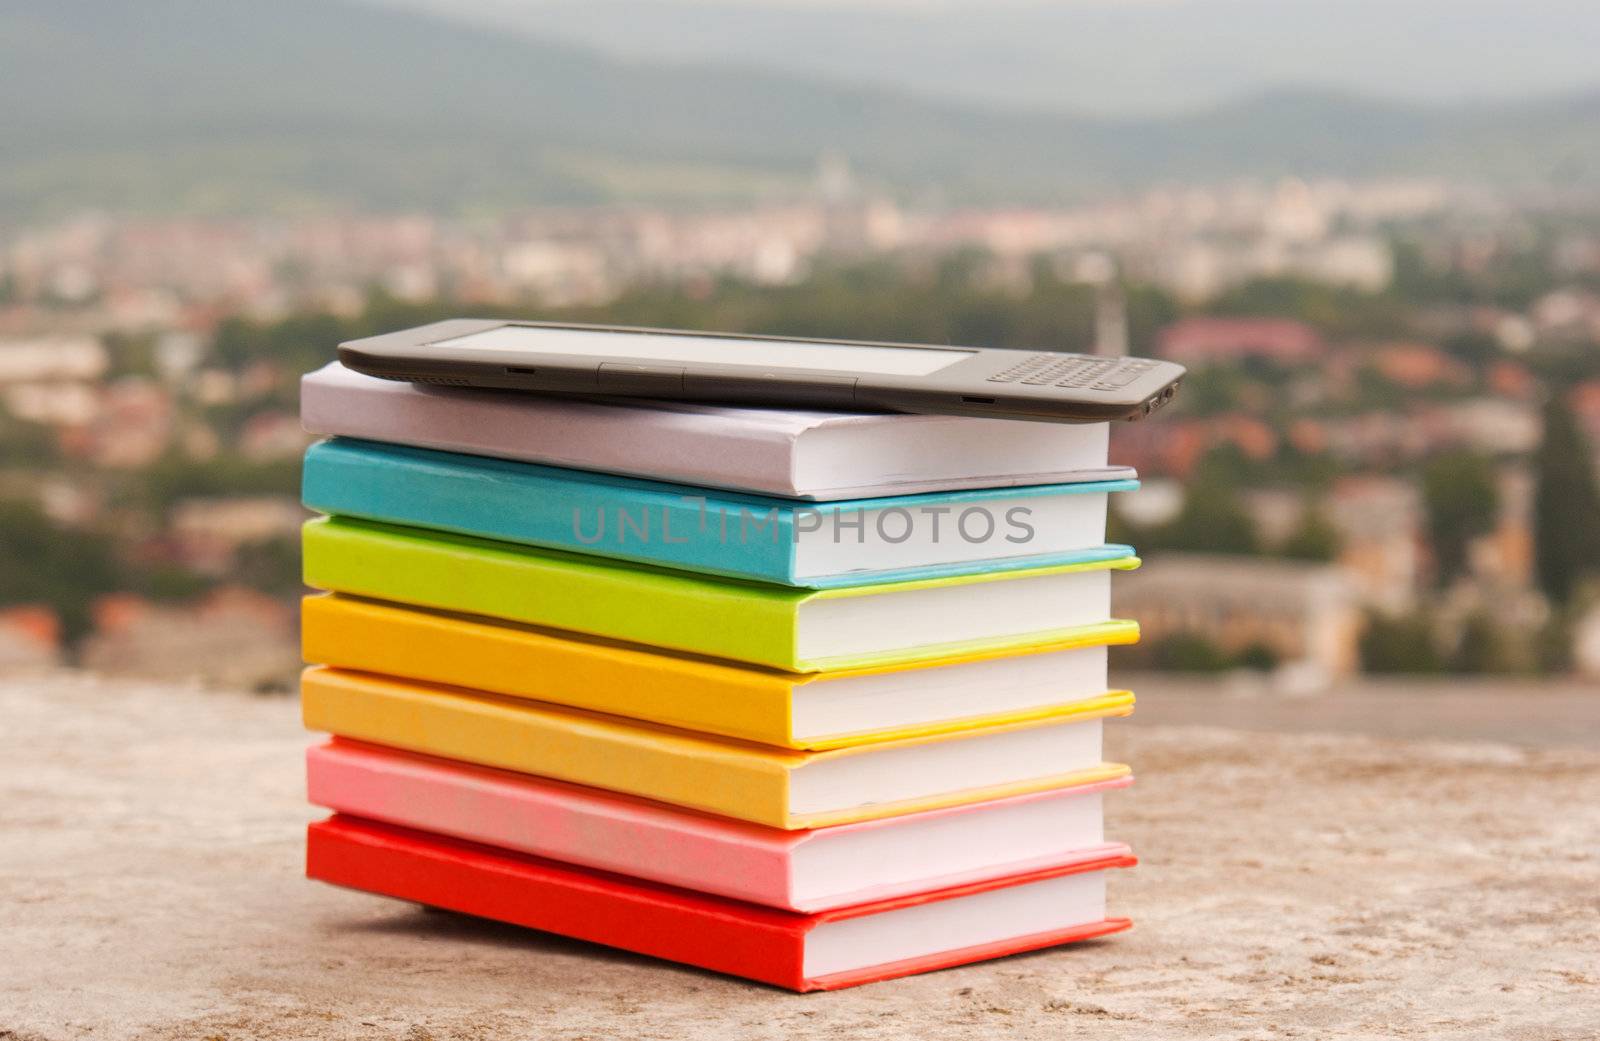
(787, 709)
(773, 786)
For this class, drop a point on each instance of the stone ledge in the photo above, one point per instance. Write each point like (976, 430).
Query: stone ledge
(1292, 885)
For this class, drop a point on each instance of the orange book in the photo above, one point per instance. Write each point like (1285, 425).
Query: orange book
(773, 786)
(810, 711)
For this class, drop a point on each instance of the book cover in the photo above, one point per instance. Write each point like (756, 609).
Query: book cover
(695, 693)
(709, 854)
(729, 778)
(710, 932)
(762, 538)
(785, 452)
(724, 618)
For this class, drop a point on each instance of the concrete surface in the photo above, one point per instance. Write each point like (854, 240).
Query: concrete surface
(1293, 885)
(1541, 711)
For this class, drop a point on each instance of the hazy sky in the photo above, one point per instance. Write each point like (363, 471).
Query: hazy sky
(1099, 56)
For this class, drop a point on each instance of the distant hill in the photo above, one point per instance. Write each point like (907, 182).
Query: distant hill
(1096, 57)
(228, 105)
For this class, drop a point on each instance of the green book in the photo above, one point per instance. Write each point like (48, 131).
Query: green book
(797, 630)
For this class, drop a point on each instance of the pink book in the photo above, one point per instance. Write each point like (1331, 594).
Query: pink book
(785, 452)
(805, 871)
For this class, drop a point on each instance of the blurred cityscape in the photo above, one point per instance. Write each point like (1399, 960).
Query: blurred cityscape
(1382, 462)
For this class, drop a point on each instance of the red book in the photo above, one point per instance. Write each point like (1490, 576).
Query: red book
(824, 951)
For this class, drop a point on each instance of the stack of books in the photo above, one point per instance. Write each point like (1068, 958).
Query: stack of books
(810, 698)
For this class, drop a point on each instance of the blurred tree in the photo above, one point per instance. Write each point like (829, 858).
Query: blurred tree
(1552, 645)
(1399, 643)
(271, 565)
(1565, 363)
(1566, 505)
(1188, 652)
(1313, 471)
(130, 354)
(1315, 539)
(1418, 280)
(44, 563)
(1375, 390)
(1462, 502)
(174, 477)
(1212, 390)
(1213, 518)
(1475, 348)
(1483, 647)
(1257, 656)
(299, 343)
(1511, 279)
(24, 443)
(1149, 310)
(1212, 521)
(168, 582)
(1338, 310)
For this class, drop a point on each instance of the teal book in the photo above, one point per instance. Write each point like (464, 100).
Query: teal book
(815, 545)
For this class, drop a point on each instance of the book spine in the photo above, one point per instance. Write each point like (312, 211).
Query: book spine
(667, 766)
(647, 522)
(750, 704)
(527, 815)
(665, 923)
(456, 573)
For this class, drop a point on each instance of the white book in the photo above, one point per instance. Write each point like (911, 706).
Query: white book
(786, 452)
